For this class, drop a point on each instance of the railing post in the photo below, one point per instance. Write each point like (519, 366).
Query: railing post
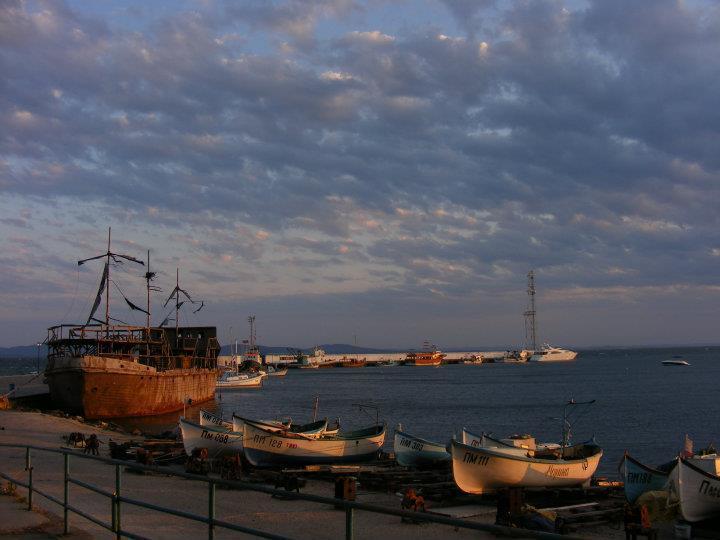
(348, 523)
(66, 493)
(29, 469)
(211, 510)
(116, 503)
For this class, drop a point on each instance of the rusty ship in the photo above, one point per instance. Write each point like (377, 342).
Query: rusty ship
(105, 370)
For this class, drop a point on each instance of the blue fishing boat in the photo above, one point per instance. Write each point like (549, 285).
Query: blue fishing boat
(639, 478)
(412, 451)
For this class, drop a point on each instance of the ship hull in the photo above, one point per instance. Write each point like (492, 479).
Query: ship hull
(102, 387)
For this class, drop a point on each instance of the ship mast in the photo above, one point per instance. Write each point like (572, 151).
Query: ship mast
(530, 324)
(105, 282)
(177, 303)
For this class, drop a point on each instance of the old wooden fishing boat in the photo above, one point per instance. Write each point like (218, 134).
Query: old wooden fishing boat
(265, 448)
(218, 440)
(696, 490)
(639, 478)
(104, 370)
(412, 451)
(480, 470)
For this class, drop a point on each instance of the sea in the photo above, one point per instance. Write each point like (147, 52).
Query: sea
(637, 404)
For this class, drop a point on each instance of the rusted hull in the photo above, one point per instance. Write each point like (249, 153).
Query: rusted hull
(121, 392)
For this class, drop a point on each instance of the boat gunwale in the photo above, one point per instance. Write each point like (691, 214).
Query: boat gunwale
(504, 455)
(210, 428)
(642, 465)
(365, 433)
(419, 439)
(695, 468)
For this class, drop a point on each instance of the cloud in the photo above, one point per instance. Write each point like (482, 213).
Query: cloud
(322, 147)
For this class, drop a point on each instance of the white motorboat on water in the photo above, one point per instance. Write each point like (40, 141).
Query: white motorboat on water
(675, 362)
(548, 353)
(231, 379)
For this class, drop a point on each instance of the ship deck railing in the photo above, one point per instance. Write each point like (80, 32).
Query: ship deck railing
(118, 521)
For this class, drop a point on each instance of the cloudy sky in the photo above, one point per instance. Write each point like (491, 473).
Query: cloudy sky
(380, 171)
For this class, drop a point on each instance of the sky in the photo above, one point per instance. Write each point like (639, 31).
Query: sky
(379, 172)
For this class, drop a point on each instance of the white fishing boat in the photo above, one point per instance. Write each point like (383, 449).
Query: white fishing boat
(218, 441)
(480, 469)
(638, 478)
(412, 451)
(696, 490)
(548, 353)
(312, 429)
(264, 448)
(213, 420)
(274, 371)
(521, 445)
(229, 380)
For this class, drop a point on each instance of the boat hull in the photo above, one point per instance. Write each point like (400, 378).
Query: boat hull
(212, 420)
(697, 491)
(411, 451)
(480, 470)
(106, 387)
(268, 449)
(218, 441)
(639, 478)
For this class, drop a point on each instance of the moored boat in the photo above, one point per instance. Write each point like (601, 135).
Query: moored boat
(548, 353)
(218, 441)
(697, 491)
(264, 448)
(429, 356)
(412, 451)
(480, 470)
(230, 380)
(104, 370)
(639, 478)
(275, 371)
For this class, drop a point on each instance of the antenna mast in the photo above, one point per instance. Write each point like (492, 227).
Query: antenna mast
(107, 288)
(251, 320)
(530, 324)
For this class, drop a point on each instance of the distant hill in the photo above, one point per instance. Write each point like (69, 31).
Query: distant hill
(23, 351)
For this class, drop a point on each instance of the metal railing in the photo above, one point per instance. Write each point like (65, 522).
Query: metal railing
(117, 499)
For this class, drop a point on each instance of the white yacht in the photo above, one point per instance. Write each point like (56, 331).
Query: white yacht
(548, 353)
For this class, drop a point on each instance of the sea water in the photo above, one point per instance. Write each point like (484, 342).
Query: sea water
(640, 405)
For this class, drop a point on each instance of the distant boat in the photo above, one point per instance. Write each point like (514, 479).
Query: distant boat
(675, 363)
(230, 380)
(429, 356)
(412, 451)
(639, 478)
(696, 490)
(274, 371)
(264, 448)
(480, 470)
(352, 362)
(218, 441)
(548, 353)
